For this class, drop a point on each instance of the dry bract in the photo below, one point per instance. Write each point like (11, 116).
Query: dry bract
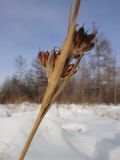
(82, 43)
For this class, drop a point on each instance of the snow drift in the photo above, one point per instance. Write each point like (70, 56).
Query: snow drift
(68, 132)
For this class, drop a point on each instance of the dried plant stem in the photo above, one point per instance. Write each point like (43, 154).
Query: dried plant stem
(55, 76)
(70, 15)
(53, 81)
(31, 135)
(64, 83)
(43, 112)
(62, 86)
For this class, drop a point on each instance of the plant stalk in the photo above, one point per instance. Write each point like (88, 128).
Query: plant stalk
(52, 83)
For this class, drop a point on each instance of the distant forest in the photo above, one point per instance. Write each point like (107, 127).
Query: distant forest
(97, 80)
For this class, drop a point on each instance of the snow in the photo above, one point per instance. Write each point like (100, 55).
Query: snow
(68, 132)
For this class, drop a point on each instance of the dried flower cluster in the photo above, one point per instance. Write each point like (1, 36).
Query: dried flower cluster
(82, 42)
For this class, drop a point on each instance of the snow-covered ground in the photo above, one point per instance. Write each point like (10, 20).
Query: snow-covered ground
(68, 132)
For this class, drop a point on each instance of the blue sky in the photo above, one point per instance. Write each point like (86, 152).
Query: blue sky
(27, 25)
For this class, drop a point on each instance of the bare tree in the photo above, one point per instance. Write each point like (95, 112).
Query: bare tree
(20, 68)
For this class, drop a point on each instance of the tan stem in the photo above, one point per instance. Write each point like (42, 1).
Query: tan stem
(32, 133)
(43, 112)
(62, 86)
(70, 15)
(66, 50)
(52, 81)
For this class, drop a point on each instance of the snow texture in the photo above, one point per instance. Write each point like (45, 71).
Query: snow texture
(68, 132)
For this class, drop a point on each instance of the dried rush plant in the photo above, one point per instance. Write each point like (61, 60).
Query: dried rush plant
(61, 64)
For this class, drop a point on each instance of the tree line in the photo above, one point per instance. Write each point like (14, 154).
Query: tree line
(97, 80)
